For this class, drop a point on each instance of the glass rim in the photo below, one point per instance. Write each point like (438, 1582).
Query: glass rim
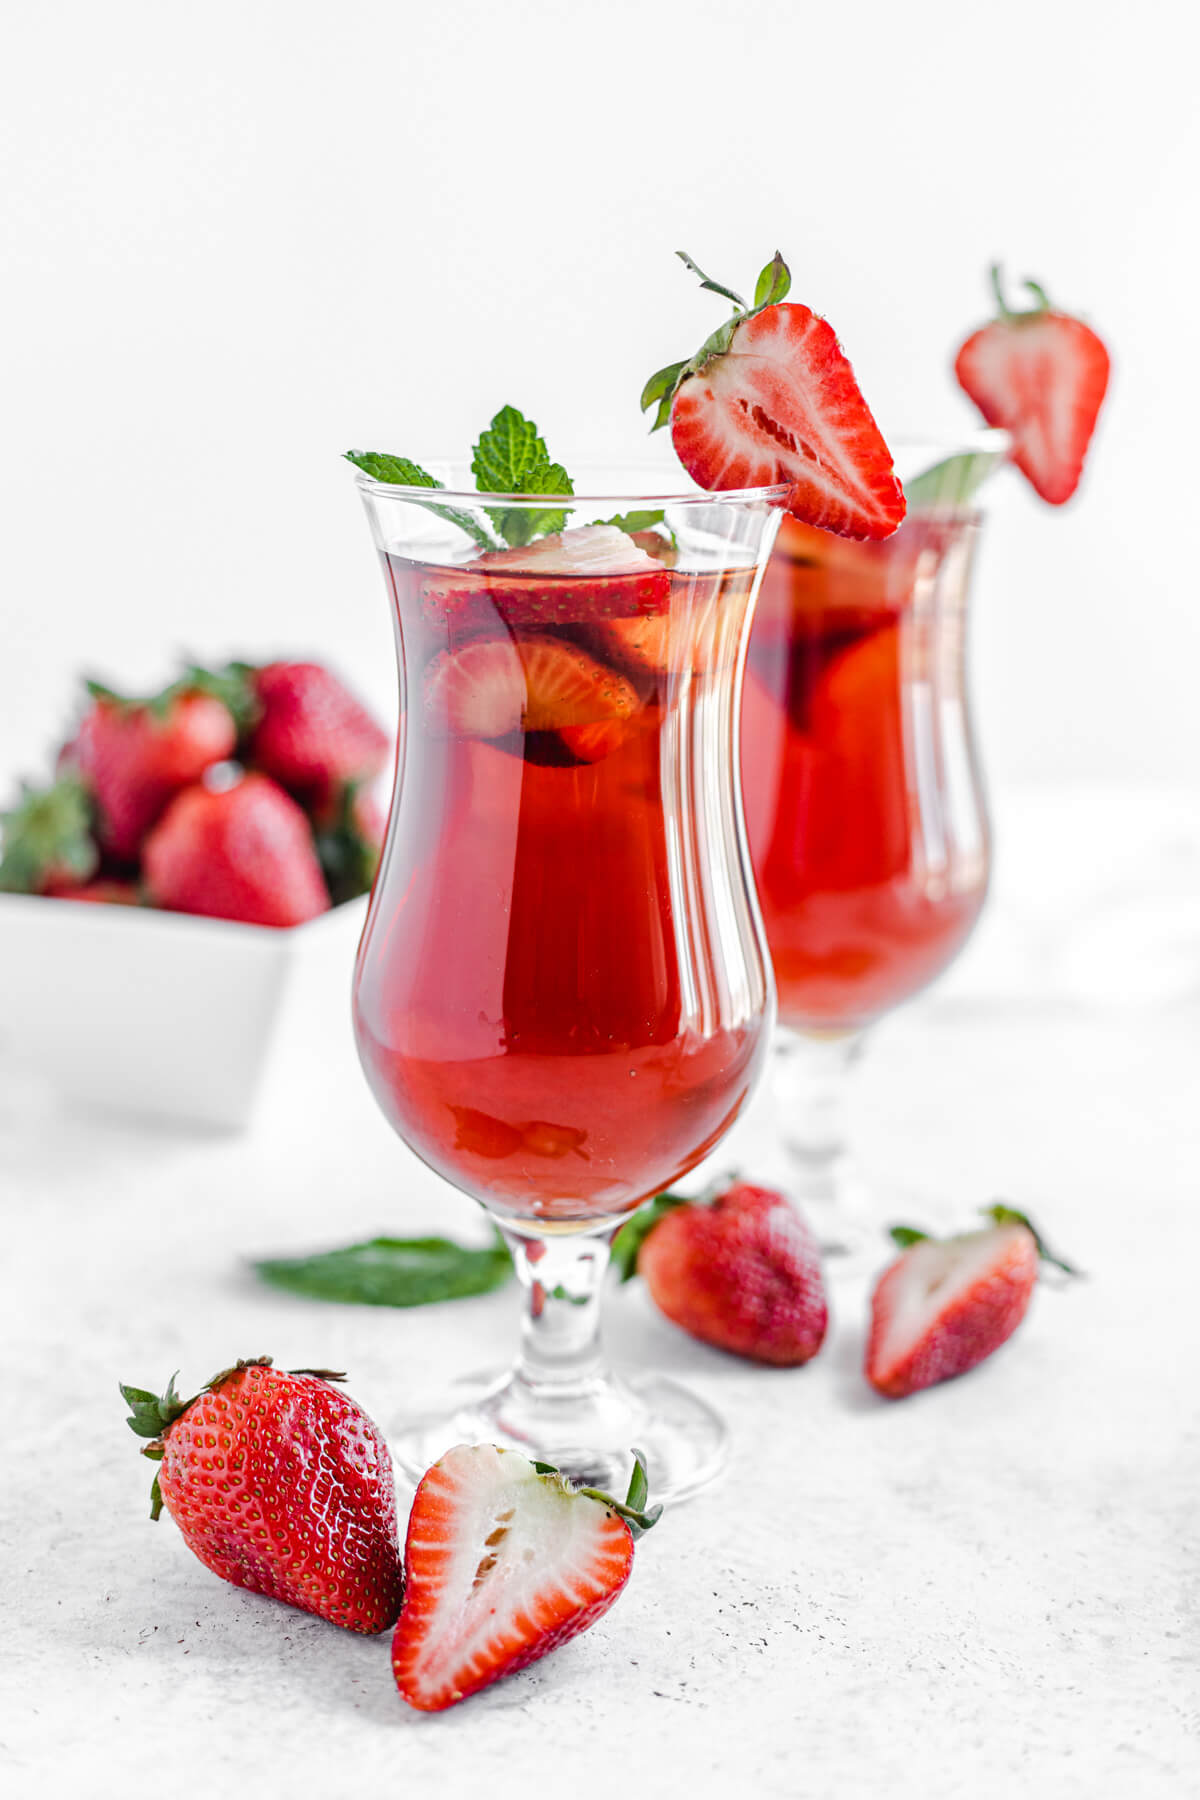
(657, 492)
(659, 495)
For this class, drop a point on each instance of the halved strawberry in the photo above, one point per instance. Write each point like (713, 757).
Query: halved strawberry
(495, 686)
(1042, 375)
(504, 1561)
(590, 572)
(771, 397)
(946, 1304)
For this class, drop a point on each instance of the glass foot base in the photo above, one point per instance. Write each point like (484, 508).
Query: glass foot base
(590, 1434)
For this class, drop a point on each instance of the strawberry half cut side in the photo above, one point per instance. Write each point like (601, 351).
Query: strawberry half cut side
(1042, 375)
(505, 1561)
(946, 1304)
(769, 398)
(590, 572)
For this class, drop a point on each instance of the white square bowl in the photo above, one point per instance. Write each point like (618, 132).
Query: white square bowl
(160, 1014)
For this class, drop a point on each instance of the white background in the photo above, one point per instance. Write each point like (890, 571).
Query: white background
(240, 238)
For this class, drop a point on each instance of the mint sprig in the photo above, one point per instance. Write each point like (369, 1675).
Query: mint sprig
(399, 471)
(387, 1271)
(511, 458)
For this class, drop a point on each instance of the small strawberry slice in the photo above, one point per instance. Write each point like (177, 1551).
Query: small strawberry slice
(1042, 375)
(770, 397)
(590, 572)
(946, 1304)
(495, 686)
(504, 1561)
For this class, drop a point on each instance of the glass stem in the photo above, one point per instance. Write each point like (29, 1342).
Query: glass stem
(811, 1076)
(562, 1278)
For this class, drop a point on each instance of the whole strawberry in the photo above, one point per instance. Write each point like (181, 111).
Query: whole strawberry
(310, 732)
(133, 755)
(947, 1303)
(742, 1273)
(1042, 375)
(240, 852)
(280, 1484)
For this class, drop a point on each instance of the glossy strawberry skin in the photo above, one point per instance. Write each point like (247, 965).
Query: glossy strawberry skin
(782, 405)
(244, 852)
(312, 735)
(134, 758)
(958, 1334)
(1042, 376)
(280, 1484)
(743, 1275)
(451, 1516)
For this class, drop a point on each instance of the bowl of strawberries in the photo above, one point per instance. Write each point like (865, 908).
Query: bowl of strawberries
(192, 850)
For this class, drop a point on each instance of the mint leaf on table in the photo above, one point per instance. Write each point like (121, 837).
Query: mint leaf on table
(399, 471)
(388, 1271)
(511, 458)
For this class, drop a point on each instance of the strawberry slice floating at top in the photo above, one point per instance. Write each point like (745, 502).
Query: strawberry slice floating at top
(590, 572)
(771, 397)
(505, 1561)
(1042, 375)
(495, 686)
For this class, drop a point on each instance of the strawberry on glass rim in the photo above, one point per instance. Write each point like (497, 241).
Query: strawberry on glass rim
(1042, 375)
(771, 397)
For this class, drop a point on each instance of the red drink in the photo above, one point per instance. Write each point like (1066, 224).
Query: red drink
(862, 804)
(544, 1002)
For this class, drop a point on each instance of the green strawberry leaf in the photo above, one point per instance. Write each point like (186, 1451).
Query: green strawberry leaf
(387, 1271)
(348, 858)
(773, 284)
(637, 1228)
(399, 471)
(905, 1236)
(1001, 1214)
(714, 287)
(47, 835)
(633, 1508)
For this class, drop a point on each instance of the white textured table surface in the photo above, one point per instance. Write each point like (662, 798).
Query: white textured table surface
(989, 1589)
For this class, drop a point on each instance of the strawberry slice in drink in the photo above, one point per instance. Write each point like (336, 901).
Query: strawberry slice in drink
(496, 686)
(589, 572)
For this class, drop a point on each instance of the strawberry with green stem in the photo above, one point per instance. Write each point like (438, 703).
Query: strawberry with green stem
(770, 397)
(505, 1560)
(133, 755)
(1042, 375)
(946, 1304)
(48, 841)
(281, 1484)
(239, 851)
(739, 1270)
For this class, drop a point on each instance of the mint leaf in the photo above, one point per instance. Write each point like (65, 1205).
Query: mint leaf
(635, 521)
(388, 1271)
(400, 472)
(951, 482)
(511, 458)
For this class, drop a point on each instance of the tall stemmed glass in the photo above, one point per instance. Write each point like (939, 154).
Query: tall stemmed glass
(563, 997)
(864, 798)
